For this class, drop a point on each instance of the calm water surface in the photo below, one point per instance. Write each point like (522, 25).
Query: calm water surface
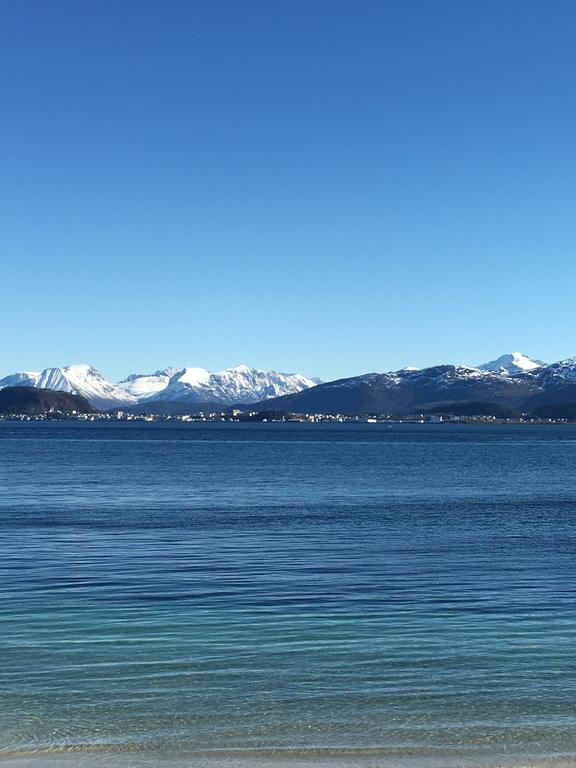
(287, 594)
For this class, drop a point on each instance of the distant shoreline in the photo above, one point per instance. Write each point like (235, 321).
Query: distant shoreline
(309, 419)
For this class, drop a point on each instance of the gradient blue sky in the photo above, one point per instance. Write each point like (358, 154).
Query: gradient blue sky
(318, 186)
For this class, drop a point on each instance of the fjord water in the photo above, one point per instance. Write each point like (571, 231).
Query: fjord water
(287, 594)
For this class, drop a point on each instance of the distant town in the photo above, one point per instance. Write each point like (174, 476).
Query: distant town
(240, 416)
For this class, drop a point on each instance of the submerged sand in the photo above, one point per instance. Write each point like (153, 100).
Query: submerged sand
(95, 758)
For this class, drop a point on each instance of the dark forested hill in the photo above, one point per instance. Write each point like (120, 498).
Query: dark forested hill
(30, 401)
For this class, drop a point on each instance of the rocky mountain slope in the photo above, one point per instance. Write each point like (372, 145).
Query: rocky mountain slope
(406, 391)
(411, 391)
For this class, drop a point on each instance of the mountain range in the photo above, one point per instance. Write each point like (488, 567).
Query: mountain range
(513, 381)
(184, 388)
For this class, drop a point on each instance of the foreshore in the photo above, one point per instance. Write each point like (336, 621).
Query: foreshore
(282, 758)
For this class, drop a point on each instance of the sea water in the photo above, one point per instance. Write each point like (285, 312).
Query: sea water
(287, 594)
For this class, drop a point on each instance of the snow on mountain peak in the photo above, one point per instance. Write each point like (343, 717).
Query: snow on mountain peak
(512, 363)
(562, 371)
(165, 372)
(192, 376)
(80, 379)
(22, 379)
(513, 374)
(140, 385)
(569, 362)
(83, 379)
(231, 385)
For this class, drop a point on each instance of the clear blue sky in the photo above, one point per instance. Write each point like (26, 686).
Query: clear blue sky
(318, 186)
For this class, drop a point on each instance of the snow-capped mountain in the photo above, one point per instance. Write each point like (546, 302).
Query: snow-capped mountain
(146, 385)
(78, 379)
(511, 381)
(410, 391)
(513, 363)
(189, 385)
(83, 379)
(23, 379)
(230, 386)
(560, 373)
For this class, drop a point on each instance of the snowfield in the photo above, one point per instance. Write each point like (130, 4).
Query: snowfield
(515, 362)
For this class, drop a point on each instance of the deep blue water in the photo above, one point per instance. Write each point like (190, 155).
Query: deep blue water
(323, 592)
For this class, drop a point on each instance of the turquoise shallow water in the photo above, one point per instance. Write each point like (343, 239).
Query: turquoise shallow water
(287, 593)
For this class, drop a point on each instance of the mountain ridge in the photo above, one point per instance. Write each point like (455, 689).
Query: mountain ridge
(513, 381)
(411, 390)
(240, 384)
(191, 385)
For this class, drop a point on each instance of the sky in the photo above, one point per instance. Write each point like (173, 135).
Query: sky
(317, 186)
